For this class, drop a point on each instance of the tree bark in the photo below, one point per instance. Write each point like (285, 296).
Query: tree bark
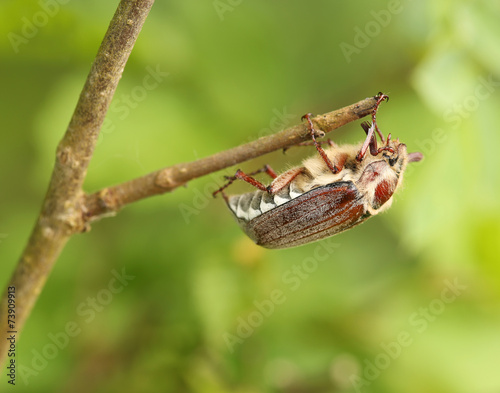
(61, 213)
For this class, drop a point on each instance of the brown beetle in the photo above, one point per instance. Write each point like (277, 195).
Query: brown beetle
(330, 193)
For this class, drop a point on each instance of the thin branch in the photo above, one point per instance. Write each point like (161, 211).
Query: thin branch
(61, 215)
(111, 199)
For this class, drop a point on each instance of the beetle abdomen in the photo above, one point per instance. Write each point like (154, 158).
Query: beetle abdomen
(248, 206)
(311, 216)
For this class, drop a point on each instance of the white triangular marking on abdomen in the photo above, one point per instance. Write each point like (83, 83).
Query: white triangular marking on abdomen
(252, 213)
(294, 192)
(267, 203)
(280, 200)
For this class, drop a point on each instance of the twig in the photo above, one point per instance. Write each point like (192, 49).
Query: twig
(61, 213)
(110, 199)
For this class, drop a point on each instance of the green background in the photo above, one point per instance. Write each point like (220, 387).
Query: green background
(376, 306)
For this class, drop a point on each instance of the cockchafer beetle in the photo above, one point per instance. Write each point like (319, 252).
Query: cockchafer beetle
(331, 192)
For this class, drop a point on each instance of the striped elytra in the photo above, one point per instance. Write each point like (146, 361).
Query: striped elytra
(311, 216)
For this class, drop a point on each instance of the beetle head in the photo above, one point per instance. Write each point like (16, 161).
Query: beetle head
(381, 175)
(383, 167)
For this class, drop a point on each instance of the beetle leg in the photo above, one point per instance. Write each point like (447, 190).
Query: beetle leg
(373, 141)
(385, 148)
(250, 180)
(267, 169)
(380, 97)
(374, 150)
(334, 168)
(369, 133)
(283, 180)
(311, 143)
(331, 143)
(369, 141)
(243, 176)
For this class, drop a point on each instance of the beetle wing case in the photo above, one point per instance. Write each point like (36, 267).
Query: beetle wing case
(314, 215)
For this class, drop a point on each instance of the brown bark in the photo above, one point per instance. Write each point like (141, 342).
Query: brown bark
(61, 213)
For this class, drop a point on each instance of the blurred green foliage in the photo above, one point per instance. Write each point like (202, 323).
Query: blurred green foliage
(372, 316)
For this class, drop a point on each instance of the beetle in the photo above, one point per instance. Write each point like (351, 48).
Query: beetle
(335, 190)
